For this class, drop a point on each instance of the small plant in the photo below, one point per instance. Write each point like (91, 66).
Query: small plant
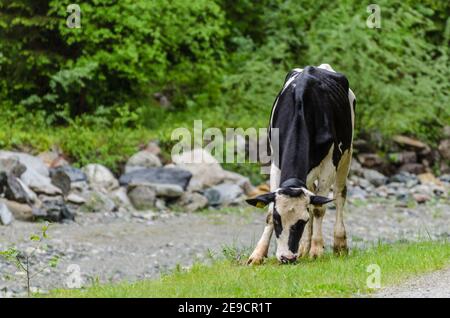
(23, 259)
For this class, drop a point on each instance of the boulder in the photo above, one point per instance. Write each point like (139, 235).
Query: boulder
(206, 170)
(356, 169)
(20, 211)
(369, 160)
(120, 198)
(53, 210)
(421, 198)
(357, 193)
(410, 142)
(157, 175)
(6, 216)
(98, 202)
(224, 194)
(404, 177)
(429, 178)
(15, 190)
(193, 201)
(374, 177)
(141, 160)
(75, 199)
(12, 166)
(161, 190)
(142, 197)
(61, 180)
(53, 158)
(153, 148)
(39, 183)
(445, 178)
(74, 174)
(100, 177)
(29, 161)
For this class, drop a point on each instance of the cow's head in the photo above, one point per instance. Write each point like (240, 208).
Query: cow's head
(289, 214)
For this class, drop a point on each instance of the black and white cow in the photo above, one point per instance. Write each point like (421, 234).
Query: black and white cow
(314, 118)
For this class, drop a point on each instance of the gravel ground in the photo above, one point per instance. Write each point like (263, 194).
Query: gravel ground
(113, 247)
(433, 285)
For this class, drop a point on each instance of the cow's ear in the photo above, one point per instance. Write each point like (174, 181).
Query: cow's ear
(261, 200)
(319, 200)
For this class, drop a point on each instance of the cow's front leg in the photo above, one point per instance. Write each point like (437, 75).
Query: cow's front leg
(340, 195)
(262, 248)
(305, 242)
(317, 243)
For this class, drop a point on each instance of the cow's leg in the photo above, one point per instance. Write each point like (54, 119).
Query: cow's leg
(305, 242)
(317, 243)
(340, 194)
(262, 248)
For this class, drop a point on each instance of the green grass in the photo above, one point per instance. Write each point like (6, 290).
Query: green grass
(328, 277)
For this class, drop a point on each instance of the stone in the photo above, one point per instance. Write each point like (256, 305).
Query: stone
(6, 217)
(162, 190)
(193, 201)
(415, 168)
(142, 197)
(74, 174)
(120, 197)
(410, 142)
(100, 177)
(374, 177)
(445, 178)
(12, 166)
(206, 170)
(15, 190)
(53, 210)
(160, 204)
(61, 180)
(153, 148)
(157, 175)
(444, 149)
(421, 198)
(224, 194)
(20, 211)
(39, 183)
(428, 177)
(98, 202)
(141, 160)
(243, 182)
(369, 160)
(29, 161)
(75, 198)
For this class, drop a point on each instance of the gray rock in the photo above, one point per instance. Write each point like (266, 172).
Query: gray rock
(29, 161)
(61, 180)
(12, 166)
(6, 216)
(403, 177)
(120, 197)
(20, 211)
(75, 198)
(14, 189)
(100, 177)
(192, 201)
(142, 197)
(99, 202)
(374, 177)
(174, 176)
(224, 194)
(74, 174)
(161, 190)
(445, 178)
(141, 160)
(415, 168)
(53, 210)
(39, 183)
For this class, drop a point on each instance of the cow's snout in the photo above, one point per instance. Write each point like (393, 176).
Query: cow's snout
(285, 259)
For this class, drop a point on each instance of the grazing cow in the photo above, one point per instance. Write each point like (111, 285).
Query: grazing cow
(314, 118)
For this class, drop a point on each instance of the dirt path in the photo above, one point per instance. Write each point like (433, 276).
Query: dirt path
(114, 247)
(432, 285)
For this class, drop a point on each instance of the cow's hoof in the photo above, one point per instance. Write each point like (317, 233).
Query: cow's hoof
(316, 251)
(340, 249)
(255, 259)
